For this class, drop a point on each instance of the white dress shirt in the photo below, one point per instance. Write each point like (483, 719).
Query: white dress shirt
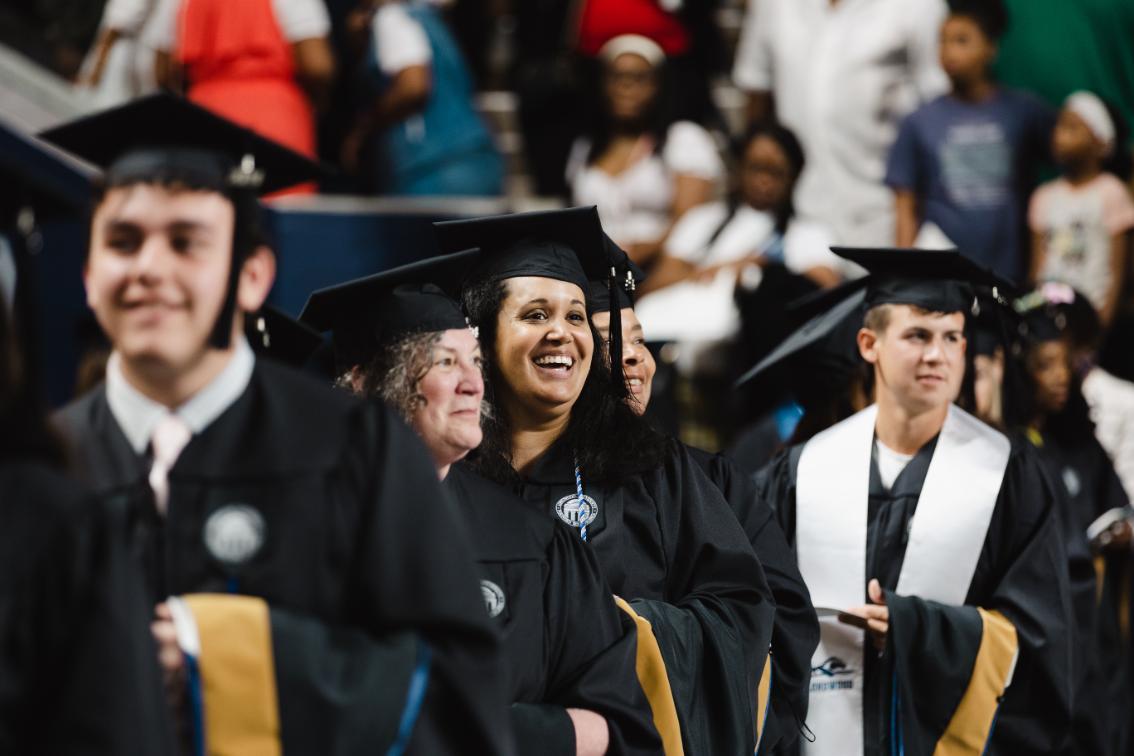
(138, 415)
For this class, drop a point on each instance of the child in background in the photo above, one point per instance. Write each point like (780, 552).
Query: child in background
(1081, 221)
(960, 168)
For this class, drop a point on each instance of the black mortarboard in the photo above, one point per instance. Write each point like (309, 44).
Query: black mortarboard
(827, 340)
(274, 333)
(567, 245)
(163, 135)
(378, 309)
(628, 276)
(931, 279)
(167, 139)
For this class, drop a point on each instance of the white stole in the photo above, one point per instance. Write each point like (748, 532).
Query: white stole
(946, 537)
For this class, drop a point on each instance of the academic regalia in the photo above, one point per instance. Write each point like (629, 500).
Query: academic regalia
(323, 513)
(78, 668)
(796, 630)
(333, 528)
(665, 538)
(1089, 492)
(978, 654)
(1020, 571)
(668, 544)
(565, 642)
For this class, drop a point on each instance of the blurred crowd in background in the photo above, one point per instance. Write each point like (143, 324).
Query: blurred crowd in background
(727, 145)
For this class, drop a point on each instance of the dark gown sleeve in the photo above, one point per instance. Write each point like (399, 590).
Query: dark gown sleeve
(795, 634)
(416, 571)
(1097, 683)
(716, 628)
(967, 654)
(78, 667)
(592, 648)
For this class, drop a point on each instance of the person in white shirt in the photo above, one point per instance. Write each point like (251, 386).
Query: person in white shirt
(641, 171)
(842, 74)
(717, 246)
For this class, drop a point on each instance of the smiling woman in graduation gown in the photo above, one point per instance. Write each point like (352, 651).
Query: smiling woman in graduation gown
(665, 538)
(565, 643)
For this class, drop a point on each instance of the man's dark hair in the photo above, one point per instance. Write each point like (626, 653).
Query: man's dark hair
(990, 15)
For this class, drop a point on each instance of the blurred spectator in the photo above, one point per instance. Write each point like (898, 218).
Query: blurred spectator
(557, 65)
(426, 136)
(1081, 221)
(756, 227)
(1057, 47)
(640, 167)
(265, 64)
(842, 74)
(119, 67)
(729, 263)
(53, 33)
(962, 165)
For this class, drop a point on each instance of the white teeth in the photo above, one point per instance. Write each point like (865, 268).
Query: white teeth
(635, 381)
(555, 359)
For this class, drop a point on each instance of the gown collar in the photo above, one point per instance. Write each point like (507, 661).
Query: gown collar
(137, 415)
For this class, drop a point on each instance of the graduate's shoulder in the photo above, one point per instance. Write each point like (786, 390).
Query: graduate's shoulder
(42, 513)
(501, 526)
(76, 419)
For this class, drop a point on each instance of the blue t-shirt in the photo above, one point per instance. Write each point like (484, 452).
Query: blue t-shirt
(972, 166)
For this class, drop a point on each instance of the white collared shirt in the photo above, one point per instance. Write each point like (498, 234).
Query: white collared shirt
(844, 76)
(138, 415)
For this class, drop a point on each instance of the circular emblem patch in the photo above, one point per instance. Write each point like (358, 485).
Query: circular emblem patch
(568, 510)
(234, 533)
(493, 597)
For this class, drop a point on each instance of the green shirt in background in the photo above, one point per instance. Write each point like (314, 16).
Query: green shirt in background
(1055, 47)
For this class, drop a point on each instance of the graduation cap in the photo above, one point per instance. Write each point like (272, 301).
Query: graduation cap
(566, 245)
(826, 339)
(420, 297)
(163, 138)
(931, 279)
(628, 276)
(275, 334)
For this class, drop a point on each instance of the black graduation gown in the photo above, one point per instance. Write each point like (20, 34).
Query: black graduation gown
(78, 667)
(1021, 572)
(565, 642)
(796, 631)
(1084, 476)
(356, 533)
(668, 543)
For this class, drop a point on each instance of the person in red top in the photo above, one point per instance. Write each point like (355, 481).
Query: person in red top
(265, 64)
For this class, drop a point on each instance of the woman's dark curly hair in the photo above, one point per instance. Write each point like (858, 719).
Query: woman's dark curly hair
(610, 440)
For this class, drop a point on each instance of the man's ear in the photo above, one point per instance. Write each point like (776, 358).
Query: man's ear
(256, 279)
(868, 345)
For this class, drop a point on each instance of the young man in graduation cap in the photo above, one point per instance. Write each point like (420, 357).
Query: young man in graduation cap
(299, 532)
(927, 541)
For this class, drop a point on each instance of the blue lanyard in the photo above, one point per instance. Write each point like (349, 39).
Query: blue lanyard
(581, 501)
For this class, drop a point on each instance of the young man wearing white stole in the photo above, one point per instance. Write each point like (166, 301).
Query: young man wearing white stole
(927, 541)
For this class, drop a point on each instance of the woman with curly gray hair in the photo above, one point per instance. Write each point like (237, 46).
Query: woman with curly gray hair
(570, 653)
